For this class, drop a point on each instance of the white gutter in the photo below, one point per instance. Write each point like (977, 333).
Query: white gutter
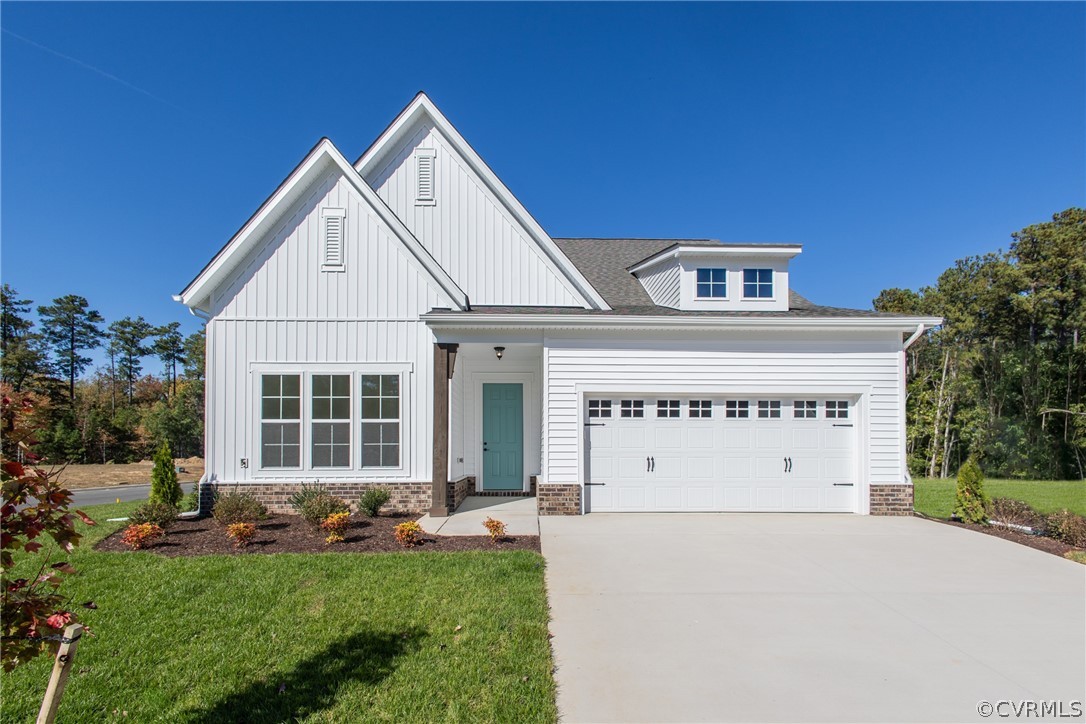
(787, 251)
(602, 321)
(916, 335)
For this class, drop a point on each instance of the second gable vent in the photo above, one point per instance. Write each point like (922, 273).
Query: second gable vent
(424, 166)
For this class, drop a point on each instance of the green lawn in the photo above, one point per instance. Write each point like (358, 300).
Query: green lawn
(935, 497)
(281, 638)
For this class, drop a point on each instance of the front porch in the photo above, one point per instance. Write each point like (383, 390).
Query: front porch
(490, 395)
(518, 513)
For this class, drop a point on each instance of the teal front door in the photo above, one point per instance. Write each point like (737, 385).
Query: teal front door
(503, 436)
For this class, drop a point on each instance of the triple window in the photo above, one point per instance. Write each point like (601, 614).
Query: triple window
(340, 421)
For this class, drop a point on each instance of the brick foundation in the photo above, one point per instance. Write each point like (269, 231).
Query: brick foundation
(891, 500)
(460, 489)
(406, 497)
(558, 499)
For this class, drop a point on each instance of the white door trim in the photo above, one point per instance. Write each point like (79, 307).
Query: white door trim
(529, 382)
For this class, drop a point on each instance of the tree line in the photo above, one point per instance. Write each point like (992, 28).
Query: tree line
(117, 412)
(1002, 380)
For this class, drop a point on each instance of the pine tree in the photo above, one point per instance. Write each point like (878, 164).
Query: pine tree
(170, 348)
(971, 502)
(164, 485)
(70, 328)
(129, 336)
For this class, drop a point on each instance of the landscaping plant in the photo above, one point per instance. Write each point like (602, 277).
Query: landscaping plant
(971, 501)
(1067, 527)
(495, 528)
(300, 497)
(336, 525)
(316, 509)
(141, 535)
(157, 512)
(34, 504)
(242, 533)
(371, 501)
(235, 507)
(164, 485)
(1013, 512)
(408, 534)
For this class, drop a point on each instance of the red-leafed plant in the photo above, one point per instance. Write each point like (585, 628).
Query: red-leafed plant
(495, 529)
(35, 505)
(408, 534)
(141, 535)
(335, 525)
(242, 533)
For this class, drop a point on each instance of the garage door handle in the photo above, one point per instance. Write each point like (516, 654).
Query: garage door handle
(653, 464)
(788, 465)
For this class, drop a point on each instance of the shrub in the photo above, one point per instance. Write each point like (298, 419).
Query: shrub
(156, 512)
(971, 501)
(1013, 512)
(164, 485)
(141, 535)
(495, 528)
(1067, 527)
(242, 533)
(371, 501)
(237, 507)
(306, 493)
(408, 534)
(321, 505)
(336, 525)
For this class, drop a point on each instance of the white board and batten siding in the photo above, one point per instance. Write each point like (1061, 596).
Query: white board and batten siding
(865, 368)
(467, 229)
(282, 312)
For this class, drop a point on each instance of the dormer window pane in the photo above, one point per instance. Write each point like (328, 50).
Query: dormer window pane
(712, 283)
(758, 283)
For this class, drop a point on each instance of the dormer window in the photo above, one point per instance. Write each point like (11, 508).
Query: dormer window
(712, 283)
(757, 283)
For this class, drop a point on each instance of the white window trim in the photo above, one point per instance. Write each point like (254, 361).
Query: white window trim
(260, 421)
(420, 198)
(354, 449)
(772, 284)
(334, 213)
(306, 470)
(727, 286)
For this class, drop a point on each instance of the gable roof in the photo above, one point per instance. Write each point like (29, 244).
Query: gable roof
(322, 158)
(422, 107)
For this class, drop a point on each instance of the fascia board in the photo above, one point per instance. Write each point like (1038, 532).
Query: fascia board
(494, 321)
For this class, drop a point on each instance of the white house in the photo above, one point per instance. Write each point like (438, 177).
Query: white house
(404, 321)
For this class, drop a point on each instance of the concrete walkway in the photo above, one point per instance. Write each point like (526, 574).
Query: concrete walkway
(805, 618)
(518, 514)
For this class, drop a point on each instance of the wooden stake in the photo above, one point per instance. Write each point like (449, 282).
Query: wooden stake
(61, 668)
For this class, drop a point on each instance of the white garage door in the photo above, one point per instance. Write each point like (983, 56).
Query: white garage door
(711, 453)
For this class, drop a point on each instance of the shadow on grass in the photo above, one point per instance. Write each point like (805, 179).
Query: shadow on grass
(312, 686)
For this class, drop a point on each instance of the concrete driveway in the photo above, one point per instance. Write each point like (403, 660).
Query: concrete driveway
(796, 618)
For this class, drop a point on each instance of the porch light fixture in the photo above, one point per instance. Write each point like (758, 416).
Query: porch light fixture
(499, 351)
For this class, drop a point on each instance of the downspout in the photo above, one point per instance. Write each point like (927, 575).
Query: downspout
(203, 478)
(908, 343)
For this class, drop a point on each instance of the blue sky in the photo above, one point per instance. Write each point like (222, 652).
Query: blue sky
(889, 139)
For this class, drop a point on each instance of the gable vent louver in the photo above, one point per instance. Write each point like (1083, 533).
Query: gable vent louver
(334, 222)
(424, 176)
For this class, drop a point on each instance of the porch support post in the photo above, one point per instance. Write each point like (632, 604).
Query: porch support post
(444, 359)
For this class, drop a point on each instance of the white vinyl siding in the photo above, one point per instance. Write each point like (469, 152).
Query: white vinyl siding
(662, 284)
(469, 231)
(790, 361)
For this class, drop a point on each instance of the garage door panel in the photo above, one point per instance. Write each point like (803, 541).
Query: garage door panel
(704, 460)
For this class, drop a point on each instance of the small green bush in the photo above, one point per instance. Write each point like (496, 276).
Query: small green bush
(154, 512)
(164, 485)
(971, 502)
(1067, 527)
(304, 495)
(1013, 512)
(371, 501)
(320, 506)
(237, 507)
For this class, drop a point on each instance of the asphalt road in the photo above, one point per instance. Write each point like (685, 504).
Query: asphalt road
(96, 496)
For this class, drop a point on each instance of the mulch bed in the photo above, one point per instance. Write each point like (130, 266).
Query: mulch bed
(1040, 542)
(291, 534)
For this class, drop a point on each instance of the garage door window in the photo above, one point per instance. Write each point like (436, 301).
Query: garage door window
(701, 408)
(837, 409)
(667, 408)
(769, 409)
(736, 408)
(805, 409)
(633, 408)
(599, 408)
